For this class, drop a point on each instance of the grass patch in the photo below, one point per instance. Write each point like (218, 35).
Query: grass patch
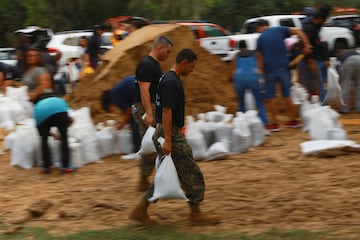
(170, 233)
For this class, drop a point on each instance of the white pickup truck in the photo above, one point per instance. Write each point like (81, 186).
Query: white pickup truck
(227, 46)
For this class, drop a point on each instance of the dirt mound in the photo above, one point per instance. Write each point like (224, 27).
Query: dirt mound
(206, 86)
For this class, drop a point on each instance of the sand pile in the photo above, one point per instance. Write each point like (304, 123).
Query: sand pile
(206, 86)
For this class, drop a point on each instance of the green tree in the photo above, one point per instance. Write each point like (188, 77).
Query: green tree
(12, 17)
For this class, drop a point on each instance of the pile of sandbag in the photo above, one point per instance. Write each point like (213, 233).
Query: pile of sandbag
(14, 107)
(88, 143)
(215, 134)
(322, 122)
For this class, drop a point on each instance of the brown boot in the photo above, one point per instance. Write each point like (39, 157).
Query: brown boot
(139, 213)
(143, 184)
(197, 218)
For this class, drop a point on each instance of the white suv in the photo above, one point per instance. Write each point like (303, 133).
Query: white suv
(68, 43)
(8, 56)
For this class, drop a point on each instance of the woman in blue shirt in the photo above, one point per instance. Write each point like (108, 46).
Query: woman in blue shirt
(53, 112)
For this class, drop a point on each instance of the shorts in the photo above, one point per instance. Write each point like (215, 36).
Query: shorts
(280, 76)
(311, 81)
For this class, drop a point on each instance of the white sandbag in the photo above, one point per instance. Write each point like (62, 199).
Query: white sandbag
(125, 140)
(241, 135)
(196, 141)
(220, 108)
(336, 134)
(214, 116)
(17, 93)
(321, 120)
(298, 94)
(218, 151)
(18, 111)
(305, 106)
(147, 144)
(106, 141)
(316, 146)
(208, 131)
(222, 131)
(76, 153)
(82, 126)
(333, 92)
(55, 151)
(166, 182)
(23, 147)
(90, 150)
(256, 128)
(6, 120)
(9, 140)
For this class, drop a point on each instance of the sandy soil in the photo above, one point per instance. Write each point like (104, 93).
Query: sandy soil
(272, 186)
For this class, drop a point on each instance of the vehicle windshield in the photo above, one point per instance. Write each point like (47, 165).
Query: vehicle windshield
(345, 22)
(7, 55)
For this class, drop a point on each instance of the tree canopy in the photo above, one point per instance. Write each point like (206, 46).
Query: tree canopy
(83, 14)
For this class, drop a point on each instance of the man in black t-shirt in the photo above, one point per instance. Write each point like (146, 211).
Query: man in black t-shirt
(148, 73)
(93, 50)
(309, 68)
(170, 111)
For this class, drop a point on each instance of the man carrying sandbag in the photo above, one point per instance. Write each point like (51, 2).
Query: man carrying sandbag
(170, 112)
(147, 75)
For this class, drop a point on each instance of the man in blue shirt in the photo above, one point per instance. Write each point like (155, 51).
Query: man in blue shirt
(273, 64)
(122, 96)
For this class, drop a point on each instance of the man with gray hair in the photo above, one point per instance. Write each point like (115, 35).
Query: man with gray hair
(147, 75)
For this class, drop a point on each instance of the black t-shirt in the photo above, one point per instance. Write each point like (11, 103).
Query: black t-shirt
(312, 31)
(94, 45)
(148, 70)
(170, 94)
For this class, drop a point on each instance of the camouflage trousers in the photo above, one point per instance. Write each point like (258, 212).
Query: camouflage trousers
(147, 162)
(190, 175)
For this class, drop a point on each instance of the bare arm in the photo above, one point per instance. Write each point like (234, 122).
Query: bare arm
(146, 101)
(260, 62)
(44, 82)
(167, 127)
(127, 115)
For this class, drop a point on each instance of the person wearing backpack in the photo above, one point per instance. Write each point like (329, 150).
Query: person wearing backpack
(246, 77)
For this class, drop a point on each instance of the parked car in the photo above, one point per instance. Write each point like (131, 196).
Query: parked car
(37, 36)
(217, 36)
(349, 21)
(68, 43)
(8, 56)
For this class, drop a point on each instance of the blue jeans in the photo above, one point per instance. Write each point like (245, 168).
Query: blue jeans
(135, 133)
(281, 76)
(243, 84)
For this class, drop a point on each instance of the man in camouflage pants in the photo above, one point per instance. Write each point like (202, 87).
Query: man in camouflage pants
(148, 74)
(170, 115)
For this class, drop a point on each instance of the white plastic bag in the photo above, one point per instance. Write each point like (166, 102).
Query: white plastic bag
(196, 141)
(333, 93)
(316, 146)
(106, 141)
(166, 182)
(147, 144)
(218, 151)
